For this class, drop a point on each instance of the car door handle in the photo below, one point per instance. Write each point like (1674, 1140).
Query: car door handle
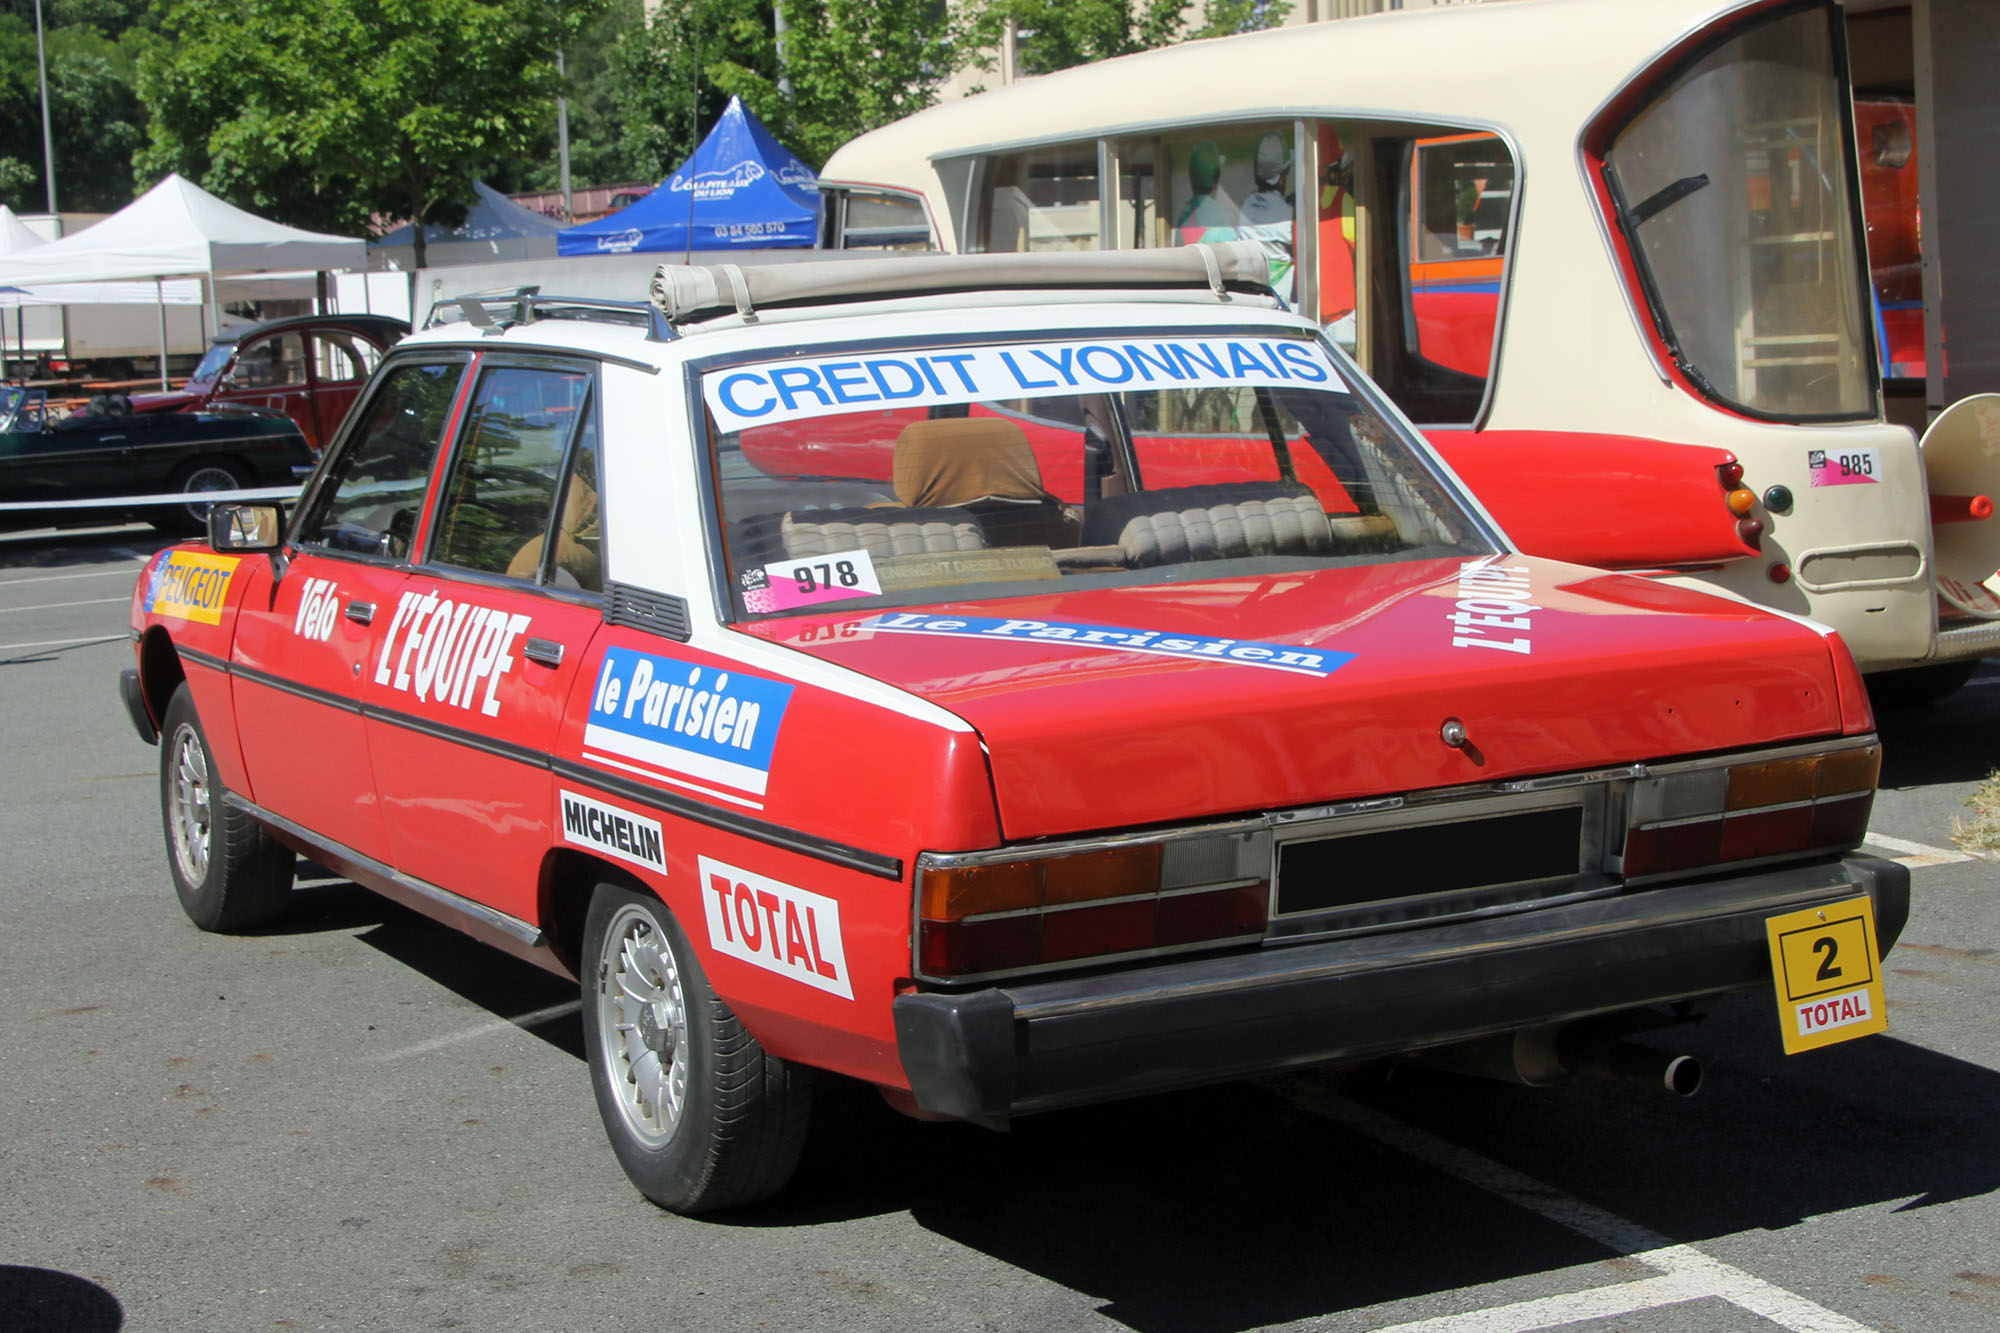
(361, 613)
(546, 651)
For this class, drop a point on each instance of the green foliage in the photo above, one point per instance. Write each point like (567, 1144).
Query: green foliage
(95, 116)
(852, 65)
(1057, 34)
(325, 114)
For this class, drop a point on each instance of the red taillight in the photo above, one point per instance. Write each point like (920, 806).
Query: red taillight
(1746, 812)
(1006, 915)
(1731, 474)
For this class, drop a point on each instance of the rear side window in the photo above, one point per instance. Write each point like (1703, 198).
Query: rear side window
(342, 357)
(500, 498)
(378, 483)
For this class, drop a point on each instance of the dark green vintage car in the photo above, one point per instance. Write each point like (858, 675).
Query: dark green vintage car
(110, 454)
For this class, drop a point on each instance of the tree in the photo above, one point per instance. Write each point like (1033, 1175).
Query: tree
(1056, 34)
(330, 114)
(96, 120)
(853, 65)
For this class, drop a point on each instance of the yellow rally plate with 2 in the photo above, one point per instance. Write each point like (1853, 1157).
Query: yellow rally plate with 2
(1828, 973)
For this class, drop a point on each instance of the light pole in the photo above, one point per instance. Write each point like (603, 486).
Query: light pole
(48, 141)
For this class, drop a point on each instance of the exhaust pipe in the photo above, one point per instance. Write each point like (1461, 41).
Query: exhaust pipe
(1538, 1057)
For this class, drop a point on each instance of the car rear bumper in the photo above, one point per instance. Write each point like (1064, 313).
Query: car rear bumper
(1037, 1045)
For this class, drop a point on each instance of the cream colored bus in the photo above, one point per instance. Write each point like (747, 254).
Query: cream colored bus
(1609, 256)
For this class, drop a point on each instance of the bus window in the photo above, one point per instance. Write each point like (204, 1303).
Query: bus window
(1043, 199)
(1732, 187)
(1228, 183)
(1461, 196)
(876, 220)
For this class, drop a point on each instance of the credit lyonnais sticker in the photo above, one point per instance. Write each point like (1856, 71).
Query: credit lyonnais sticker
(807, 582)
(767, 392)
(191, 585)
(1827, 970)
(1844, 467)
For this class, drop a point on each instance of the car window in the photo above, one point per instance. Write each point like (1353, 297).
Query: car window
(1108, 463)
(277, 362)
(378, 482)
(342, 357)
(500, 498)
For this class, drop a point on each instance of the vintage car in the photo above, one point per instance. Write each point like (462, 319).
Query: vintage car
(309, 368)
(1010, 681)
(61, 470)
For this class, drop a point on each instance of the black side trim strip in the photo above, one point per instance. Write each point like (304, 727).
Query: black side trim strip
(775, 835)
(344, 703)
(200, 658)
(423, 896)
(806, 844)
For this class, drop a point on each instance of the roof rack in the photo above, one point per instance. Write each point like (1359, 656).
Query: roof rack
(683, 294)
(505, 308)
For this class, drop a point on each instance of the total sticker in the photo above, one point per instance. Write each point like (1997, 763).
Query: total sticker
(1860, 466)
(776, 926)
(808, 582)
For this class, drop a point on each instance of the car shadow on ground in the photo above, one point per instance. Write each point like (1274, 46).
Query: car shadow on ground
(1232, 1207)
(1951, 740)
(43, 1300)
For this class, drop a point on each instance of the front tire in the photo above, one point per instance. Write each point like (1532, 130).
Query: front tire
(699, 1114)
(229, 873)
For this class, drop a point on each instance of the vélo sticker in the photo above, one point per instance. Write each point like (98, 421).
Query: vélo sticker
(808, 581)
(1845, 467)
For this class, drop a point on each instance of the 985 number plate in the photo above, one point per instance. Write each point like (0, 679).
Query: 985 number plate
(1828, 973)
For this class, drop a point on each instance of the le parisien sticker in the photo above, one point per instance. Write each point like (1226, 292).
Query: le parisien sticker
(1829, 982)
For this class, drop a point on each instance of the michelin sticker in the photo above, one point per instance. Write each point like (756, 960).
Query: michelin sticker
(445, 651)
(615, 832)
(775, 926)
(713, 726)
(191, 585)
(1492, 604)
(1112, 639)
(767, 392)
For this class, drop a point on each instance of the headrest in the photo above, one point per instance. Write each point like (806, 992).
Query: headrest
(954, 460)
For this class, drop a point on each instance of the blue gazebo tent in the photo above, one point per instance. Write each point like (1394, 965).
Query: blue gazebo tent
(495, 228)
(740, 189)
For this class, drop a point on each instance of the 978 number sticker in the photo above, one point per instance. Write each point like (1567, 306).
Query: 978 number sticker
(808, 581)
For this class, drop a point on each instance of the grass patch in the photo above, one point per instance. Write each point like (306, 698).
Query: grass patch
(1980, 834)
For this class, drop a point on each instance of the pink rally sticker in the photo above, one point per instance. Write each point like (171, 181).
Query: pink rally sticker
(1844, 467)
(809, 581)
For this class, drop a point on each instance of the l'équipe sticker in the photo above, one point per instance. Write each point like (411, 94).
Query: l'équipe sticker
(808, 582)
(444, 650)
(1860, 466)
(715, 725)
(1113, 639)
(775, 926)
(588, 822)
(191, 585)
(1493, 609)
(767, 392)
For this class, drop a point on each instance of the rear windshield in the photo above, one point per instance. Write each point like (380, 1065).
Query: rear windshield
(960, 472)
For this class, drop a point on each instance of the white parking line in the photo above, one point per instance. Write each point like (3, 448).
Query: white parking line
(1687, 1273)
(58, 606)
(60, 643)
(533, 1018)
(1916, 853)
(121, 570)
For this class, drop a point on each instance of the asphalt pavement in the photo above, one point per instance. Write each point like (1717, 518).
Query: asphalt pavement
(363, 1121)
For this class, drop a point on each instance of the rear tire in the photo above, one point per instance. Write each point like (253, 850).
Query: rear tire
(1914, 687)
(229, 873)
(699, 1114)
(203, 474)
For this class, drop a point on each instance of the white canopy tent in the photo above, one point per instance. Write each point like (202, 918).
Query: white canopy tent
(175, 229)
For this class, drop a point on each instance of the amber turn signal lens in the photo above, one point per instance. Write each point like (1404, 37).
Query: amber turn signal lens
(973, 890)
(1780, 782)
(1741, 501)
(958, 892)
(1849, 770)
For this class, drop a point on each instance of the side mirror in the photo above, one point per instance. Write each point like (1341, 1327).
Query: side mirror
(245, 528)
